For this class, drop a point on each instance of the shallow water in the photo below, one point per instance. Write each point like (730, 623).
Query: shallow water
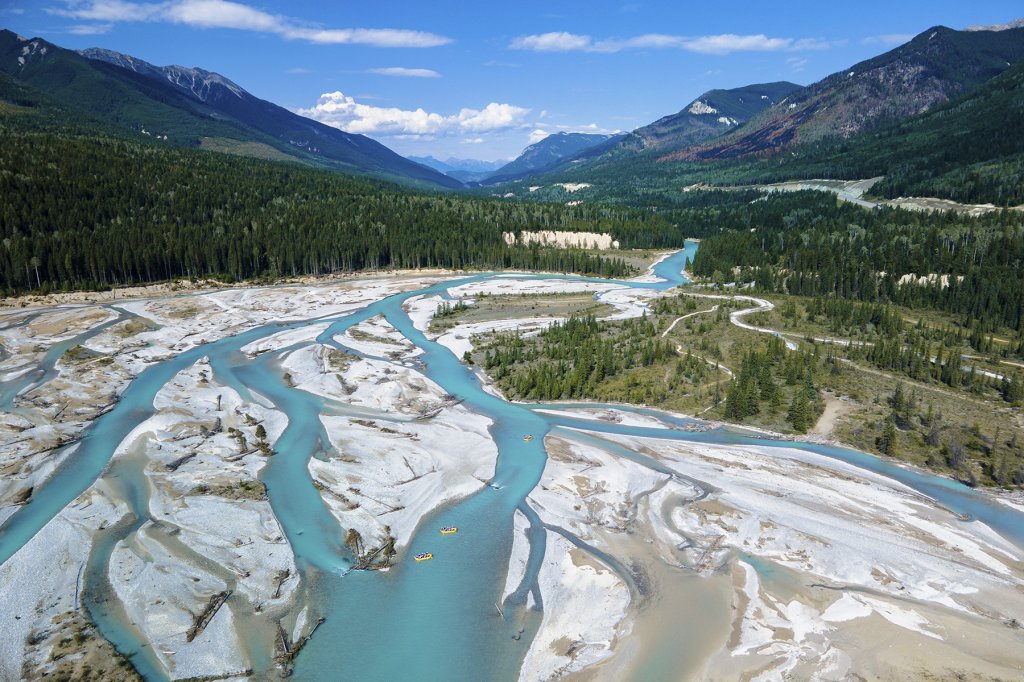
(435, 620)
(46, 369)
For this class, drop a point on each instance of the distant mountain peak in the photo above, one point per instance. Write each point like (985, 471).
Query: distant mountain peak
(463, 170)
(1016, 23)
(548, 153)
(200, 83)
(33, 47)
(937, 65)
(193, 107)
(708, 116)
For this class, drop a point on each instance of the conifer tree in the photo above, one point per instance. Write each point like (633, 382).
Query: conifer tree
(799, 415)
(886, 443)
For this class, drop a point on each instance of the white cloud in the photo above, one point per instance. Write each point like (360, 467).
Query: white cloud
(219, 14)
(656, 41)
(110, 10)
(492, 117)
(90, 29)
(797, 63)
(473, 140)
(298, 70)
(816, 44)
(401, 71)
(728, 42)
(234, 15)
(344, 112)
(552, 42)
(537, 135)
(375, 37)
(712, 44)
(889, 39)
(542, 130)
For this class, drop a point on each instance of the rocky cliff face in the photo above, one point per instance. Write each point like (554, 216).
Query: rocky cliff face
(199, 83)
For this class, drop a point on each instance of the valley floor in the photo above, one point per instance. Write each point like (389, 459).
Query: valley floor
(663, 557)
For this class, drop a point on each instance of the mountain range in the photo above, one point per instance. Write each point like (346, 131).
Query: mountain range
(711, 115)
(938, 65)
(542, 156)
(548, 154)
(935, 67)
(463, 170)
(195, 108)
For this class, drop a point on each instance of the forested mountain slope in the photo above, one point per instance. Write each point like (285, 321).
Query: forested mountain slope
(938, 65)
(90, 211)
(969, 150)
(711, 115)
(547, 154)
(192, 107)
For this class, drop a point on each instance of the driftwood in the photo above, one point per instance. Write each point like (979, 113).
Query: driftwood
(204, 618)
(365, 563)
(302, 642)
(235, 458)
(226, 676)
(173, 466)
(281, 577)
(430, 414)
(286, 651)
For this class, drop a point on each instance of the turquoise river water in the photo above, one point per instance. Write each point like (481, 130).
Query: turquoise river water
(431, 621)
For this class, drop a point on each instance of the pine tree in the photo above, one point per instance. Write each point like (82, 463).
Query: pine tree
(809, 389)
(799, 415)
(886, 443)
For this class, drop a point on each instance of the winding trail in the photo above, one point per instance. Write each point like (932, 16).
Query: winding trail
(687, 316)
(736, 317)
(679, 349)
(763, 305)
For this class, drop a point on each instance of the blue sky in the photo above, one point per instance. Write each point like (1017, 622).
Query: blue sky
(483, 80)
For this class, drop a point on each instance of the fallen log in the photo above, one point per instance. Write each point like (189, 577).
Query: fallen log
(173, 466)
(204, 618)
